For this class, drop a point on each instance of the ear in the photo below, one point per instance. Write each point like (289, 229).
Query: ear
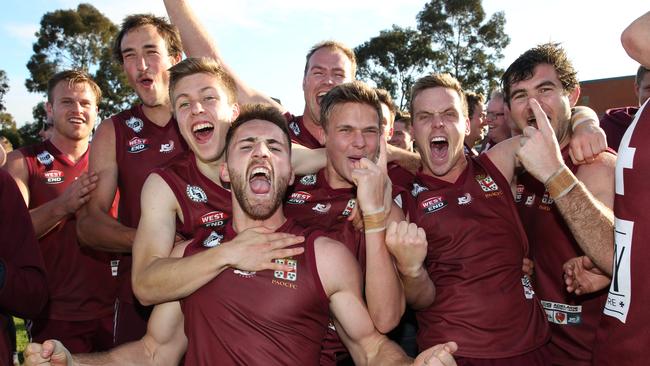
(48, 110)
(235, 112)
(574, 95)
(292, 177)
(636, 89)
(225, 176)
(468, 129)
(321, 136)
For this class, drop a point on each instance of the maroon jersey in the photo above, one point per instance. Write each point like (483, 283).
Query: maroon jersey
(203, 202)
(399, 176)
(615, 122)
(257, 318)
(623, 335)
(23, 291)
(80, 283)
(573, 318)
(140, 146)
(299, 133)
(476, 247)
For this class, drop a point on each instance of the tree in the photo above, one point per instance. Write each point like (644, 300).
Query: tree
(79, 39)
(4, 88)
(470, 45)
(394, 60)
(8, 129)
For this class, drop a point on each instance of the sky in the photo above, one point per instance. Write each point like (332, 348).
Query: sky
(265, 42)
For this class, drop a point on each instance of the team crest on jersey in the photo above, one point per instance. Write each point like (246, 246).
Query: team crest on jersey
(308, 180)
(45, 158)
(290, 275)
(519, 193)
(322, 207)
(196, 194)
(295, 128)
(214, 219)
(417, 189)
(487, 183)
(53, 177)
(299, 197)
(135, 124)
(245, 274)
(169, 147)
(349, 207)
(433, 204)
(465, 199)
(137, 145)
(213, 240)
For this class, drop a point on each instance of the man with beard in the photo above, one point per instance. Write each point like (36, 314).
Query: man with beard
(261, 317)
(54, 181)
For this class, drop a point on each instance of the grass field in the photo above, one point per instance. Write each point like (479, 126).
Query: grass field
(21, 337)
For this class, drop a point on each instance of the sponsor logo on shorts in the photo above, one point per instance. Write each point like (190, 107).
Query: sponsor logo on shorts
(135, 124)
(308, 180)
(322, 207)
(45, 158)
(169, 147)
(299, 197)
(417, 189)
(53, 177)
(291, 274)
(433, 204)
(349, 207)
(294, 127)
(137, 145)
(465, 200)
(196, 194)
(562, 313)
(487, 183)
(214, 219)
(213, 240)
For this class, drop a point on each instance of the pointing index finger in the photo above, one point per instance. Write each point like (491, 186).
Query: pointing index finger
(543, 124)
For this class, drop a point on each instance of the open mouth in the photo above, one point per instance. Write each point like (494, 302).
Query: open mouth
(76, 120)
(146, 82)
(202, 131)
(439, 147)
(319, 97)
(259, 180)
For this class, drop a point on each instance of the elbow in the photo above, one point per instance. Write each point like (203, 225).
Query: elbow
(83, 230)
(140, 292)
(385, 321)
(632, 46)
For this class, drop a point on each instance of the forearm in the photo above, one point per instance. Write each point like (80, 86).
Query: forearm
(419, 289)
(195, 39)
(591, 223)
(383, 289)
(387, 353)
(46, 216)
(406, 159)
(307, 161)
(98, 230)
(133, 353)
(636, 38)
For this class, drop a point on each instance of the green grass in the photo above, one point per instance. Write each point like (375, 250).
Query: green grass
(21, 337)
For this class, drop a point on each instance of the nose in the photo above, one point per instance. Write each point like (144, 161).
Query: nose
(197, 108)
(358, 140)
(261, 150)
(141, 63)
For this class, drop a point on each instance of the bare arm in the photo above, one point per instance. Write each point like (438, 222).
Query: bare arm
(636, 38)
(307, 161)
(406, 159)
(95, 226)
(198, 43)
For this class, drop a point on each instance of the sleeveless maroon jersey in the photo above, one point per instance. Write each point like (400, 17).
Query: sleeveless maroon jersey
(623, 336)
(299, 133)
(257, 318)
(475, 253)
(399, 176)
(573, 319)
(80, 283)
(140, 146)
(203, 202)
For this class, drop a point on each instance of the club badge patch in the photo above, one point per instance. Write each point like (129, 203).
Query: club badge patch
(417, 189)
(322, 207)
(349, 207)
(433, 204)
(299, 197)
(53, 177)
(308, 180)
(487, 183)
(292, 274)
(196, 194)
(45, 158)
(213, 240)
(294, 127)
(135, 124)
(214, 219)
(137, 145)
(466, 199)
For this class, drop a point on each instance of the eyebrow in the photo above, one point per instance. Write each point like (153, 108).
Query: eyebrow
(254, 139)
(146, 46)
(181, 95)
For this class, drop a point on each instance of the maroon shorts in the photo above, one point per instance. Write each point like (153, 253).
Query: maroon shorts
(130, 322)
(538, 357)
(78, 336)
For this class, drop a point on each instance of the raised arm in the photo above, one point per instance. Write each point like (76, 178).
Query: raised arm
(636, 39)
(198, 43)
(96, 228)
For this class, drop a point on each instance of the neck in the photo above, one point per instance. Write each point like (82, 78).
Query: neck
(241, 221)
(72, 149)
(454, 173)
(334, 180)
(210, 169)
(310, 124)
(159, 115)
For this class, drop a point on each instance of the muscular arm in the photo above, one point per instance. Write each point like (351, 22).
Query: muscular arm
(307, 161)
(95, 226)
(636, 39)
(198, 43)
(406, 159)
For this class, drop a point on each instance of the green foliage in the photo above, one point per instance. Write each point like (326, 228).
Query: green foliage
(4, 88)
(29, 133)
(79, 39)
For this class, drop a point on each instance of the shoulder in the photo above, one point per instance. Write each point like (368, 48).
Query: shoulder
(336, 265)
(16, 164)
(603, 165)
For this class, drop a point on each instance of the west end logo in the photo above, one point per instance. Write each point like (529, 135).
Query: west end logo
(137, 145)
(53, 177)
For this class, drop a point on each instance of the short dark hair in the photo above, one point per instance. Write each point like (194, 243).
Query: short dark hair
(203, 65)
(167, 31)
(264, 112)
(73, 77)
(352, 92)
(640, 74)
(336, 46)
(524, 67)
(404, 117)
(473, 99)
(444, 80)
(385, 98)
